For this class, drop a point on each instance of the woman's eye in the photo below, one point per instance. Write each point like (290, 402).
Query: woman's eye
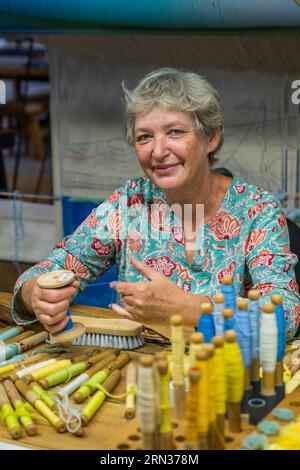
(176, 132)
(143, 138)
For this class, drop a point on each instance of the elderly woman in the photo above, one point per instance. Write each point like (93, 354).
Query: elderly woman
(176, 232)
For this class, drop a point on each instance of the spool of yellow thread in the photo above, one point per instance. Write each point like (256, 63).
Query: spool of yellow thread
(98, 398)
(192, 404)
(165, 429)
(178, 347)
(220, 386)
(234, 373)
(203, 404)
(196, 343)
(41, 373)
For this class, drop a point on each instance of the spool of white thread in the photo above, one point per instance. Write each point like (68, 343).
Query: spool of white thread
(146, 409)
(268, 348)
(268, 339)
(27, 370)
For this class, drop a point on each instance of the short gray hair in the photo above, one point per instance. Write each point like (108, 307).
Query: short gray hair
(176, 89)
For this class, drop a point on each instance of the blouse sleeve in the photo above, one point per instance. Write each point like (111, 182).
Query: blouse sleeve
(270, 263)
(88, 252)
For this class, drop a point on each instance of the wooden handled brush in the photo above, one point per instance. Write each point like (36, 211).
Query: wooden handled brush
(55, 280)
(110, 333)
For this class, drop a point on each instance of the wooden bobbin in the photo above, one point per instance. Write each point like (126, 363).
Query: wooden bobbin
(227, 313)
(227, 281)
(219, 298)
(253, 294)
(206, 308)
(55, 280)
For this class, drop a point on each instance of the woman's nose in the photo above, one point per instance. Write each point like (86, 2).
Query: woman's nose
(159, 148)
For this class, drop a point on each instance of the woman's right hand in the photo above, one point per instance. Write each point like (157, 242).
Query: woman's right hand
(48, 305)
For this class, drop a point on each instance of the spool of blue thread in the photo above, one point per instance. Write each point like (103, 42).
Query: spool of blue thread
(227, 289)
(229, 322)
(281, 331)
(206, 324)
(217, 314)
(244, 337)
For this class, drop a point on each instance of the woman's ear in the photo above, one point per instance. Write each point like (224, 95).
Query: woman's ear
(215, 140)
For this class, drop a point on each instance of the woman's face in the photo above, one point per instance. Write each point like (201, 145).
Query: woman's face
(169, 149)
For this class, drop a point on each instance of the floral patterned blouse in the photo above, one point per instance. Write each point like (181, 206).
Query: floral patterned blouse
(247, 239)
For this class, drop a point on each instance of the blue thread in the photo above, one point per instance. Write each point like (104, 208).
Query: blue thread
(218, 319)
(280, 320)
(229, 324)
(17, 358)
(243, 331)
(8, 334)
(284, 414)
(207, 327)
(270, 428)
(229, 296)
(254, 313)
(254, 441)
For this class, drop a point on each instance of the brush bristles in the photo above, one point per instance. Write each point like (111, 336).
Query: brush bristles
(109, 341)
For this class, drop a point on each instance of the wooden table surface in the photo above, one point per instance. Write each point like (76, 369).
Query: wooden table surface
(109, 430)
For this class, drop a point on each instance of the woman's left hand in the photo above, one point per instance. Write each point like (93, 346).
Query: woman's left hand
(155, 300)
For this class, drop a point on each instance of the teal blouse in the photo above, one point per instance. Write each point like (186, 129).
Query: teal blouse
(247, 239)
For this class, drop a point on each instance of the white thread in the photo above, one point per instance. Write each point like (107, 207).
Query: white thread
(268, 342)
(254, 313)
(146, 399)
(69, 414)
(73, 385)
(27, 370)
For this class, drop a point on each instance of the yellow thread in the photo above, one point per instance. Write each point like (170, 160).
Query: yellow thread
(203, 413)
(192, 404)
(164, 404)
(289, 437)
(49, 369)
(24, 412)
(46, 412)
(8, 417)
(88, 387)
(211, 390)
(220, 381)
(131, 391)
(102, 389)
(234, 372)
(178, 347)
(6, 369)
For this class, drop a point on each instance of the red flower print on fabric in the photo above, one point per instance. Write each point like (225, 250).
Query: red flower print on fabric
(134, 241)
(293, 285)
(74, 265)
(136, 199)
(100, 248)
(114, 197)
(282, 220)
(44, 264)
(91, 220)
(255, 238)
(256, 209)
(118, 244)
(239, 188)
(225, 227)
(114, 223)
(229, 271)
(163, 265)
(264, 288)
(177, 234)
